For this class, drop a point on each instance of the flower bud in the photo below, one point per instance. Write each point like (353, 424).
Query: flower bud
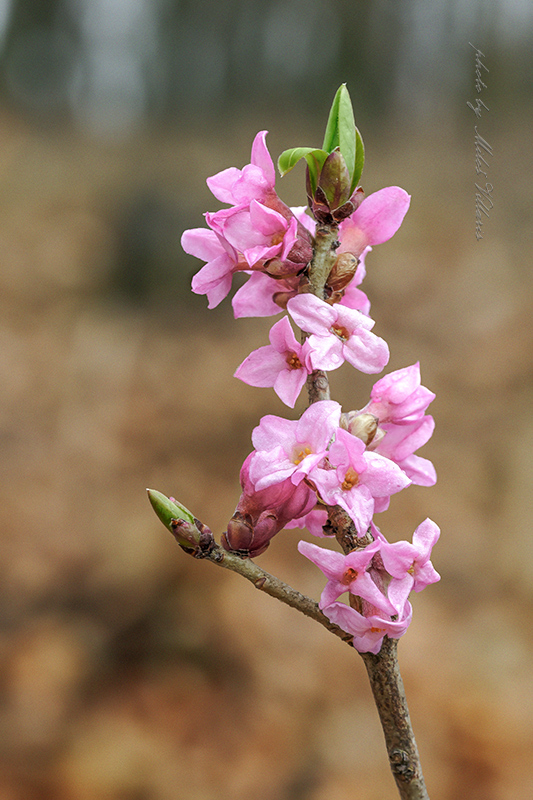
(364, 426)
(191, 534)
(342, 272)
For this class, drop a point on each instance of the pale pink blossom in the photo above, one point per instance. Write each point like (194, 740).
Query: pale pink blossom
(375, 221)
(368, 632)
(399, 397)
(255, 297)
(409, 564)
(347, 573)
(314, 521)
(281, 364)
(338, 334)
(399, 444)
(358, 479)
(291, 448)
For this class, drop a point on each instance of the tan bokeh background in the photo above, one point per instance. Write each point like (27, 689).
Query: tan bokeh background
(131, 671)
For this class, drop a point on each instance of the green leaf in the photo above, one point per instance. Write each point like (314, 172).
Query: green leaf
(342, 133)
(314, 157)
(359, 159)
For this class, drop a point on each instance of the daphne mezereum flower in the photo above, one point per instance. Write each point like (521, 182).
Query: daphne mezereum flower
(409, 564)
(375, 221)
(281, 364)
(291, 448)
(214, 279)
(347, 573)
(254, 182)
(260, 515)
(399, 397)
(368, 632)
(338, 334)
(356, 479)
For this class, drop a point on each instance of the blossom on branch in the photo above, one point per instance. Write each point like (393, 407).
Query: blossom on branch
(280, 364)
(355, 478)
(368, 631)
(347, 573)
(338, 334)
(291, 448)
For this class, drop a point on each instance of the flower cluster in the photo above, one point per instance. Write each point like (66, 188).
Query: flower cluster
(300, 469)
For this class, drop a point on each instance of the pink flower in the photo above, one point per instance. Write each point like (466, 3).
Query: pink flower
(214, 279)
(256, 231)
(338, 334)
(399, 444)
(358, 478)
(399, 398)
(347, 574)
(261, 515)
(368, 632)
(314, 521)
(409, 564)
(291, 448)
(254, 182)
(280, 364)
(256, 297)
(375, 221)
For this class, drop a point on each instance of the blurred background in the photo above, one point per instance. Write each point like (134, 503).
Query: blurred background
(129, 671)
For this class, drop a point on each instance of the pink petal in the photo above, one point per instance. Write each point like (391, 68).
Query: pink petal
(366, 352)
(311, 314)
(261, 367)
(261, 158)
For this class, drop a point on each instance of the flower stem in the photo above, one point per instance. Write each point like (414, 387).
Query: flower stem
(389, 695)
(321, 265)
(274, 587)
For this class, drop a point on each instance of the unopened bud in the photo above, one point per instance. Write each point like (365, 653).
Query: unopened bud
(342, 272)
(192, 535)
(364, 426)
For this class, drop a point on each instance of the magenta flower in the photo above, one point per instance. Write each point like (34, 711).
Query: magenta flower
(214, 279)
(258, 232)
(375, 221)
(291, 448)
(358, 478)
(280, 364)
(259, 516)
(257, 297)
(254, 182)
(399, 398)
(347, 574)
(338, 334)
(368, 632)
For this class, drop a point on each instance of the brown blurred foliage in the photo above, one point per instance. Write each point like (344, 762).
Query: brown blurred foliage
(129, 671)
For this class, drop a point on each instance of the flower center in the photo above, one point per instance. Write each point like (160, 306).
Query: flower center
(293, 361)
(349, 576)
(351, 479)
(377, 630)
(277, 238)
(299, 455)
(341, 332)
